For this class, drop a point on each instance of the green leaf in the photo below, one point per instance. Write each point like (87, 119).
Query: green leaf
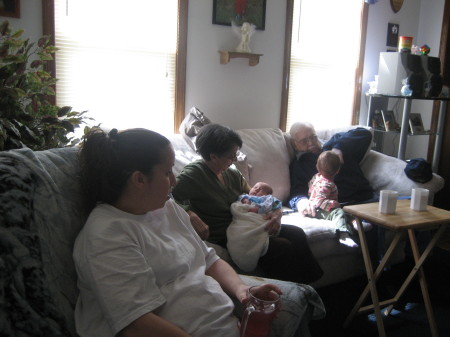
(17, 34)
(27, 118)
(45, 56)
(36, 64)
(11, 128)
(68, 126)
(64, 111)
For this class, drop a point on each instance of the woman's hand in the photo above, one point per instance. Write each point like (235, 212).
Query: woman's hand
(263, 291)
(200, 227)
(273, 226)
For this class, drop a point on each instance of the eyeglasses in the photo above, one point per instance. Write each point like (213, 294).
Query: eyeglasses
(306, 140)
(231, 157)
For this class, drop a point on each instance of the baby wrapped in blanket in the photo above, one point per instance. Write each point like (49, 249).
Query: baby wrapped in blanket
(246, 235)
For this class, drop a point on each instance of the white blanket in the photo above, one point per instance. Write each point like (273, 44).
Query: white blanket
(247, 239)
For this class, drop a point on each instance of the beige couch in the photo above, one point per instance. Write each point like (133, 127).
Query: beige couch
(268, 153)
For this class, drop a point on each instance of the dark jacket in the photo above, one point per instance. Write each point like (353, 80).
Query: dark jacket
(351, 183)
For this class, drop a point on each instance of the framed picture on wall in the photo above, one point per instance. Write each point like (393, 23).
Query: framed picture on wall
(10, 8)
(239, 11)
(392, 35)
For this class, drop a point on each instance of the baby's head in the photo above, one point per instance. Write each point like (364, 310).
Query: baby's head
(260, 189)
(328, 164)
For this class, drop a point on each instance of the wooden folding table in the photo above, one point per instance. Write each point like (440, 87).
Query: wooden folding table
(404, 220)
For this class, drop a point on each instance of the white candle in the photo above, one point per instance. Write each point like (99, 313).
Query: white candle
(388, 201)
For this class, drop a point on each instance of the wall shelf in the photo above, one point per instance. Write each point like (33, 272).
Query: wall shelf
(225, 56)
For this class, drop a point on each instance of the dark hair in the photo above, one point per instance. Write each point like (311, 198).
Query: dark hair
(216, 139)
(329, 162)
(108, 160)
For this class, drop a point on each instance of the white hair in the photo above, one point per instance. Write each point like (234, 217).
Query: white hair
(298, 126)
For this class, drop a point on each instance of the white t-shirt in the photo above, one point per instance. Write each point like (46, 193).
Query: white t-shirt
(129, 265)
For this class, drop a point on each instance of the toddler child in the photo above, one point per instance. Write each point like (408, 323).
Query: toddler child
(323, 196)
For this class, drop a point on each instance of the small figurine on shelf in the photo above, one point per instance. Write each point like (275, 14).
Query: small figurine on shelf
(425, 49)
(405, 90)
(415, 50)
(245, 32)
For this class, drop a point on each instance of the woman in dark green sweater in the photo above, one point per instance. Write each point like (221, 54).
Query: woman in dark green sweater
(209, 186)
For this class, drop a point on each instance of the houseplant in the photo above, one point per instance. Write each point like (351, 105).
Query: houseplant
(27, 115)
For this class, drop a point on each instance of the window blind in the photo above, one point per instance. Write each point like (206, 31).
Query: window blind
(116, 59)
(324, 54)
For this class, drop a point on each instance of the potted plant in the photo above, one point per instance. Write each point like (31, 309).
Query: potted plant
(28, 118)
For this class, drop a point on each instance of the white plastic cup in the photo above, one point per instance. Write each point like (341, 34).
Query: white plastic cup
(419, 199)
(388, 201)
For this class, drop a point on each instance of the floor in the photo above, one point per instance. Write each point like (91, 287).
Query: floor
(408, 319)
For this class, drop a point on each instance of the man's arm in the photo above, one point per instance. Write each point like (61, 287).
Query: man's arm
(353, 143)
(301, 172)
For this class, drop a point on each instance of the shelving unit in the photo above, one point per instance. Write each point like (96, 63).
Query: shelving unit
(405, 122)
(225, 56)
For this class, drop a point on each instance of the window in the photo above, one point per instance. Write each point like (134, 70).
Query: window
(121, 61)
(323, 63)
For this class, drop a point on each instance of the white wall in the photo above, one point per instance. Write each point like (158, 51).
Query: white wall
(241, 96)
(429, 32)
(30, 19)
(380, 14)
(421, 19)
(235, 94)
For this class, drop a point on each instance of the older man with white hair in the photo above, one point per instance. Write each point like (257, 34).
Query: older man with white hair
(351, 146)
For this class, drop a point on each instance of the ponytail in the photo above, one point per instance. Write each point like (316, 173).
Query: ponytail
(108, 160)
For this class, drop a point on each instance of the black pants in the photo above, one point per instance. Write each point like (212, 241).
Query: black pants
(289, 257)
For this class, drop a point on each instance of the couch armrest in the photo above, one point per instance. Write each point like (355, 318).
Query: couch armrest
(387, 173)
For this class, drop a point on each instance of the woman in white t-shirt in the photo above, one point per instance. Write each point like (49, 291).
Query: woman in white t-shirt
(142, 269)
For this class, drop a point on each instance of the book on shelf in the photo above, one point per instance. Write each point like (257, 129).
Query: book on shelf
(389, 120)
(415, 124)
(377, 121)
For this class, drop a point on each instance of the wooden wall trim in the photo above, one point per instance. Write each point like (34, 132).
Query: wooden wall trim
(444, 49)
(48, 28)
(360, 66)
(180, 90)
(286, 64)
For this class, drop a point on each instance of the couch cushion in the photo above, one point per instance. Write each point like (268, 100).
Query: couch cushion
(268, 159)
(388, 173)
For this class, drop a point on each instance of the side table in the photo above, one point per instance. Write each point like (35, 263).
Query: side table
(404, 220)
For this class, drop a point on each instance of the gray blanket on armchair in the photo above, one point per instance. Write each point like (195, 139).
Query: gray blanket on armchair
(37, 283)
(41, 213)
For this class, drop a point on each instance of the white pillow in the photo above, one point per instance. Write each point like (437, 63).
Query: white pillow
(267, 158)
